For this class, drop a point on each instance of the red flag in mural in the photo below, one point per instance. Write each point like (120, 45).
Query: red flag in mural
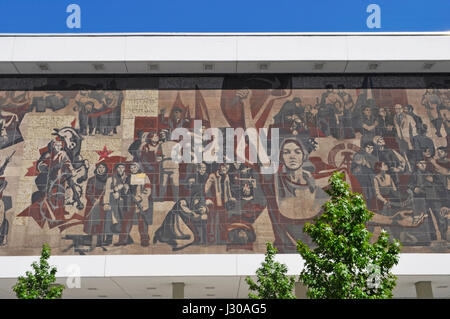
(178, 104)
(201, 110)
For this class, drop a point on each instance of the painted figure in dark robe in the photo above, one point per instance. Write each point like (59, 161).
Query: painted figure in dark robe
(349, 106)
(86, 105)
(178, 118)
(441, 167)
(97, 220)
(361, 169)
(144, 151)
(5, 204)
(197, 180)
(409, 109)
(420, 143)
(368, 124)
(385, 125)
(331, 113)
(117, 200)
(218, 194)
(292, 117)
(428, 193)
(184, 224)
(169, 168)
(109, 115)
(405, 127)
(433, 103)
(141, 206)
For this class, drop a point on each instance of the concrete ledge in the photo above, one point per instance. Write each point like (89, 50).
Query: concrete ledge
(197, 265)
(292, 53)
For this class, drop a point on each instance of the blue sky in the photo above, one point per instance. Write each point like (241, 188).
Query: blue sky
(116, 16)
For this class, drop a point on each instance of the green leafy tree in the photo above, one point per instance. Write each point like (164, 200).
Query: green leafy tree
(344, 263)
(39, 285)
(272, 281)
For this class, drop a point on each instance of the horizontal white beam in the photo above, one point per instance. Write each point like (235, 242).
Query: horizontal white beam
(197, 265)
(229, 53)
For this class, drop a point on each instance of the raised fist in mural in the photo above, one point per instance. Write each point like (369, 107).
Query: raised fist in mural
(243, 93)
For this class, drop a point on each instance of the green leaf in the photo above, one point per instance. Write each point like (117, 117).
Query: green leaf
(337, 264)
(272, 280)
(40, 284)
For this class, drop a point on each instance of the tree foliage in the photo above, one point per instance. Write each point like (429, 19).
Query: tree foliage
(40, 284)
(272, 281)
(344, 264)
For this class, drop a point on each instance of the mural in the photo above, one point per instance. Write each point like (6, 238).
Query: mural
(92, 166)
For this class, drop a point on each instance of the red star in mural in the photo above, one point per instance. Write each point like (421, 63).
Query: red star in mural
(103, 153)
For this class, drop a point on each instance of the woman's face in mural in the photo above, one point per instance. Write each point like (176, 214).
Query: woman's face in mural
(120, 169)
(422, 165)
(292, 156)
(367, 111)
(384, 167)
(398, 109)
(134, 168)
(441, 154)
(427, 153)
(177, 114)
(101, 169)
(202, 169)
(155, 138)
(223, 169)
(369, 149)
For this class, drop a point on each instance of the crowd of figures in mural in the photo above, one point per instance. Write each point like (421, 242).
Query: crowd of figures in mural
(393, 151)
